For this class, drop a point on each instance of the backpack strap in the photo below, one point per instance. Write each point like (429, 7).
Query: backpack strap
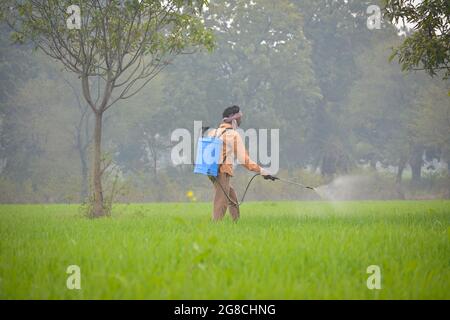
(226, 129)
(224, 149)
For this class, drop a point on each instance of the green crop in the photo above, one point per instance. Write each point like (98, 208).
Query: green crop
(278, 250)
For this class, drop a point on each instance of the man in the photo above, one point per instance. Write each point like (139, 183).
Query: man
(233, 147)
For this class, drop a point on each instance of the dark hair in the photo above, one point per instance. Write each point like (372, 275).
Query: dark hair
(230, 111)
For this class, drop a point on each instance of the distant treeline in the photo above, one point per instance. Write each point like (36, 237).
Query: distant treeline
(310, 68)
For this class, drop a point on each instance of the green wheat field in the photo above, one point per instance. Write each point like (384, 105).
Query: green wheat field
(278, 250)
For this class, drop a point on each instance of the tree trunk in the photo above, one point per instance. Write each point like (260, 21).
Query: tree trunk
(398, 179)
(416, 163)
(84, 177)
(83, 164)
(416, 172)
(328, 166)
(400, 169)
(98, 210)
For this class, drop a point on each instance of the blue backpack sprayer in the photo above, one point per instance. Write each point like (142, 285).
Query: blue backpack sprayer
(207, 163)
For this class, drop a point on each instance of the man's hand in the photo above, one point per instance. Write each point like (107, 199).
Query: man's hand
(267, 176)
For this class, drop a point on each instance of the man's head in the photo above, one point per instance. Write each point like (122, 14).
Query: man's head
(229, 112)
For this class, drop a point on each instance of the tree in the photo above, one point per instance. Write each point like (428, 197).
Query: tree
(338, 33)
(432, 121)
(379, 108)
(428, 46)
(125, 43)
(40, 154)
(12, 72)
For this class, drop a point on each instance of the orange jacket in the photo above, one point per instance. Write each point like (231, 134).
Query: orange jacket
(233, 148)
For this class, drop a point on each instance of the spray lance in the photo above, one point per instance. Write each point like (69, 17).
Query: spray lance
(273, 178)
(266, 177)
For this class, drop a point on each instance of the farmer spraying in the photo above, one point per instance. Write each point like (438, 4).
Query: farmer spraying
(233, 148)
(215, 156)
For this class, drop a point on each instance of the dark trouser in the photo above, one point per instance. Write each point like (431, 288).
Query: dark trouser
(221, 202)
